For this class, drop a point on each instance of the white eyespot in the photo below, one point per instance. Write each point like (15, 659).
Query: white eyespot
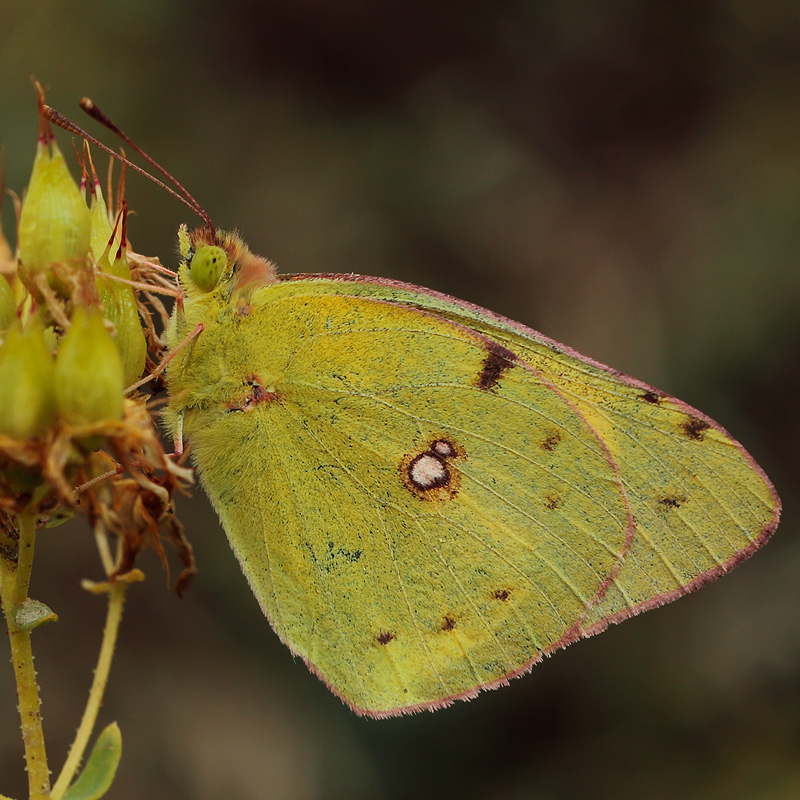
(443, 448)
(427, 471)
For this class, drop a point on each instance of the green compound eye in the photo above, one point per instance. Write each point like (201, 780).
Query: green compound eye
(206, 267)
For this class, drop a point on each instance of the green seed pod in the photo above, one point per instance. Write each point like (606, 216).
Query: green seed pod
(119, 307)
(8, 305)
(27, 399)
(88, 374)
(54, 224)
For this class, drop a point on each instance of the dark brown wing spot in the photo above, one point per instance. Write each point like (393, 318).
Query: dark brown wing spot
(694, 428)
(651, 397)
(448, 623)
(498, 360)
(501, 594)
(384, 637)
(672, 501)
(552, 502)
(551, 441)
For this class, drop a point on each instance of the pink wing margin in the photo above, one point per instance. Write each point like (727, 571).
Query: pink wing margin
(577, 631)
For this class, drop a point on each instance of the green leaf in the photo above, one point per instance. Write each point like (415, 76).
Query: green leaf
(97, 775)
(29, 614)
(58, 518)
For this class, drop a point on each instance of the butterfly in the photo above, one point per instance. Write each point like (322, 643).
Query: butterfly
(427, 498)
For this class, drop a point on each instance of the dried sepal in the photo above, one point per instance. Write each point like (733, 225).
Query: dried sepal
(135, 506)
(148, 271)
(21, 462)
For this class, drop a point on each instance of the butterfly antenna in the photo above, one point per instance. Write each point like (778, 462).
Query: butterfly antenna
(58, 119)
(88, 105)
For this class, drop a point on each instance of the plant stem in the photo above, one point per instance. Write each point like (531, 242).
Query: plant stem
(116, 599)
(101, 539)
(14, 589)
(27, 540)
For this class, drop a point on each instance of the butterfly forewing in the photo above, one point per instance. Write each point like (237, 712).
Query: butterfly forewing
(700, 502)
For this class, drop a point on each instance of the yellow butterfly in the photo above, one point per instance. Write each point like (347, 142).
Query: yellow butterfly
(427, 498)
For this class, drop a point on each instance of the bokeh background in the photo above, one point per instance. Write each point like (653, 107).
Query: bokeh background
(623, 176)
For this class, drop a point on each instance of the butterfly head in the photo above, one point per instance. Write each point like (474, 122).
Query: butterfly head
(219, 262)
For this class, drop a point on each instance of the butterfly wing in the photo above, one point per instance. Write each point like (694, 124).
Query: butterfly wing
(700, 502)
(418, 509)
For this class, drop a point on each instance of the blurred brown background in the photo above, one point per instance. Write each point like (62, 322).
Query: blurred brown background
(623, 176)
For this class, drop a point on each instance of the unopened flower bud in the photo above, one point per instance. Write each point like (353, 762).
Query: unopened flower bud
(54, 224)
(88, 375)
(119, 307)
(27, 399)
